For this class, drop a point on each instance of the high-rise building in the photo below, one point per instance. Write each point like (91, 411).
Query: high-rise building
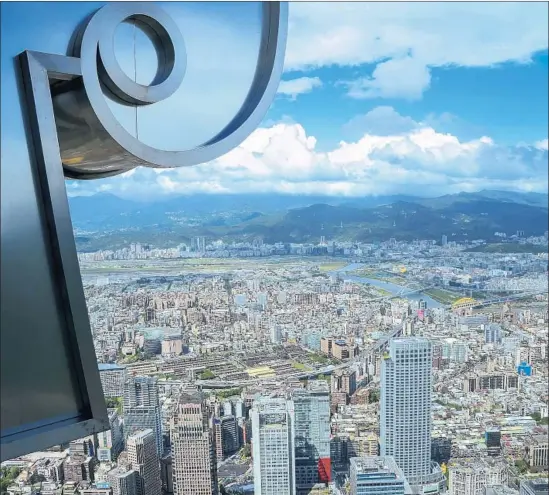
(123, 481)
(471, 476)
(240, 409)
(143, 458)
(142, 408)
(227, 437)
(227, 408)
(441, 449)
(492, 334)
(110, 442)
(376, 476)
(198, 244)
(538, 452)
(112, 378)
(344, 381)
(276, 335)
(538, 486)
(312, 434)
(492, 437)
(172, 345)
(405, 411)
(78, 468)
(273, 446)
(166, 474)
(340, 349)
(365, 444)
(82, 447)
(194, 463)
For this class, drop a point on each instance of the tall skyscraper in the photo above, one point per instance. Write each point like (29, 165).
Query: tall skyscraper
(142, 408)
(273, 446)
(142, 455)
(376, 476)
(194, 463)
(405, 412)
(312, 434)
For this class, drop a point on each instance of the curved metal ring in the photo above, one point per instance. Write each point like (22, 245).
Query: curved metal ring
(170, 47)
(97, 41)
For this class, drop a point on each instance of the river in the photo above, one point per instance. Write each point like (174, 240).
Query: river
(388, 286)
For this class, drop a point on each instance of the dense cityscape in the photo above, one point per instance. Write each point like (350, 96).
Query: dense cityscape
(330, 368)
(274, 248)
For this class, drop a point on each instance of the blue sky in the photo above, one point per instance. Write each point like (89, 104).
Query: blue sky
(507, 102)
(379, 98)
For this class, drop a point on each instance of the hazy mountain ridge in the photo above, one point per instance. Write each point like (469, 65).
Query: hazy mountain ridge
(301, 219)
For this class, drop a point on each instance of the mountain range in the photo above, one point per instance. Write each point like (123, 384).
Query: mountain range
(283, 218)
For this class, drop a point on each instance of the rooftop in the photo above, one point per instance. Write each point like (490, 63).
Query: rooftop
(377, 464)
(539, 486)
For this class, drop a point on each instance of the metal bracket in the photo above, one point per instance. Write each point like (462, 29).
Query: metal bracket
(39, 70)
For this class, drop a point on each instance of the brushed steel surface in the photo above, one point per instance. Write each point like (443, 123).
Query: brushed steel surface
(93, 142)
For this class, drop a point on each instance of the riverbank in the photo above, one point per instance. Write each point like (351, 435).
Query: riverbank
(389, 287)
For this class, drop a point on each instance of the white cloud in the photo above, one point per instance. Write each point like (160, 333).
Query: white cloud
(406, 40)
(295, 87)
(283, 158)
(381, 121)
(543, 144)
(397, 78)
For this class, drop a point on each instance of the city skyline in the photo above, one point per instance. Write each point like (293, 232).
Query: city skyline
(343, 290)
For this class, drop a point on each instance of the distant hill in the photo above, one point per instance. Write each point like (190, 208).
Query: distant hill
(281, 218)
(402, 220)
(510, 248)
(528, 198)
(105, 211)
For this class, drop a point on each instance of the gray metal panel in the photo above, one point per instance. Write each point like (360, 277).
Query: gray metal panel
(57, 395)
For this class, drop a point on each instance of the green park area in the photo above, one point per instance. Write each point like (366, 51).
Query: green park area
(9, 474)
(318, 358)
(300, 366)
(229, 392)
(206, 375)
(442, 296)
(368, 273)
(332, 266)
(115, 403)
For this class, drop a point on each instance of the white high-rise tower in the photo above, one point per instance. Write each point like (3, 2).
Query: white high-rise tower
(273, 446)
(405, 419)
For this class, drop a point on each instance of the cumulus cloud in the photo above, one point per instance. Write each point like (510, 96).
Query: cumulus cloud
(543, 144)
(284, 158)
(406, 40)
(294, 87)
(381, 121)
(405, 78)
